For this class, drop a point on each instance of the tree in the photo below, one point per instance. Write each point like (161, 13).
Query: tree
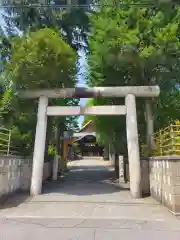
(37, 49)
(73, 23)
(38, 60)
(135, 46)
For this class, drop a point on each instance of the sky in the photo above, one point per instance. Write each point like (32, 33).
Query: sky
(81, 80)
(1, 19)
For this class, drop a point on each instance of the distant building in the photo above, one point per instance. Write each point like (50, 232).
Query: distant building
(86, 139)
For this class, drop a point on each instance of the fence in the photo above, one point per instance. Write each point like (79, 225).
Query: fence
(6, 146)
(167, 141)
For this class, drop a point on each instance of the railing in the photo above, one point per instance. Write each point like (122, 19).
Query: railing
(6, 146)
(167, 141)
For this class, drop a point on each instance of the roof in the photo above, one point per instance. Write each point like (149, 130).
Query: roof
(80, 135)
(85, 125)
(84, 134)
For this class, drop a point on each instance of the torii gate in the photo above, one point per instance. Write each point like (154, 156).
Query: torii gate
(129, 109)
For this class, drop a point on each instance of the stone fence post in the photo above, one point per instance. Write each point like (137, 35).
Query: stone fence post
(121, 170)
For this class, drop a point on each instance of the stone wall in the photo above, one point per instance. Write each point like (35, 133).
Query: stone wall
(165, 181)
(15, 174)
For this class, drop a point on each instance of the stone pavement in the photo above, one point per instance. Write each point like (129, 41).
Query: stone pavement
(86, 205)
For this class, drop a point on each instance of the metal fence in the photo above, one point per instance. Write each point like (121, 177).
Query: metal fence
(6, 146)
(167, 141)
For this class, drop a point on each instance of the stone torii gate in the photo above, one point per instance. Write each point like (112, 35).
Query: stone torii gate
(129, 109)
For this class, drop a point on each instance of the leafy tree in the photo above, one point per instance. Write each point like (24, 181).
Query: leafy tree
(73, 23)
(72, 26)
(135, 45)
(39, 59)
(37, 49)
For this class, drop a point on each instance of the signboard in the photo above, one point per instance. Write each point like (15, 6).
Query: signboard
(90, 145)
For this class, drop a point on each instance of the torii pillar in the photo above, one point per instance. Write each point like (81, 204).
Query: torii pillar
(133, 146)
(130, 94)
(39, 147)
(149, 125)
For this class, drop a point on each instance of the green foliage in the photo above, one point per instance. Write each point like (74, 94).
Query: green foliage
(135, 46)
(39, 59)
(71, 26)
(73, 23)
(46, 56)
(89, 102)
(51, 150)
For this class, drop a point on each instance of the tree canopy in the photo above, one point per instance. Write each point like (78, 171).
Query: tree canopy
(135, 45)
(72, 23)
(37, 60)
(127, 45)
(24, 17)
(41, 59)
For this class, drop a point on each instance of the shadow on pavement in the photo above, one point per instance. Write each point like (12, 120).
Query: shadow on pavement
(80, 181)
(86, 180)
(14, 200)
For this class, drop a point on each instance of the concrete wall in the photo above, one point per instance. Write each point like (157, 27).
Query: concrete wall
(15, 174)
(165, 181)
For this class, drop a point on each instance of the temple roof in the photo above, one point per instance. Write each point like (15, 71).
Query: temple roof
(79, 135)
(85, 125)
(84, 134)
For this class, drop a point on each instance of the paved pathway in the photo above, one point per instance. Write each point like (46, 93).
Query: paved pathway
(86, 205)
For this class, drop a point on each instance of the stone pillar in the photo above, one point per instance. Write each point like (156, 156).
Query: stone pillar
(39, 147)
(150, 125)
(113, 158)
(121, 170)
(110, 158)
(133, 146)
(55, 167)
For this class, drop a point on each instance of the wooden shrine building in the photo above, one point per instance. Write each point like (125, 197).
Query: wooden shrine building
(86, 140)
